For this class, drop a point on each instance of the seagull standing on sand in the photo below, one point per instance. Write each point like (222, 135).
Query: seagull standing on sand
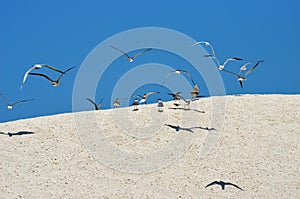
(195, 91)
(135, 104)
(116, 103)
(131, 59)
(53, 82)
(160, 105)
(180, 72)
(97, 106)
(243, 68)
(10, 106)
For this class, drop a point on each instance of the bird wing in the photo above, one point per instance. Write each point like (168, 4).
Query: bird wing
(136, 96)
(64, 72)
(214, 58)
(120, 51)
(92, 103)
(26, 75)
(21, 101)
(52, 68)
(213, 183)
(100, 104)
(244, 66)
(150, 93)
(231, 73)
(141, 52)
(189, 75)
(42, 75)
(229, 183)
(251, 69)
(207, 44)
(232, 59)
(4, 98)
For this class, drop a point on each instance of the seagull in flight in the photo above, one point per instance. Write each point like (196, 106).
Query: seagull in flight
(178, 71)
(36, 67)
(214, 57)
(241, 78)
(145, 97)
(53, 82)
(222, 66)
(223, 184)
(10, 106)
(97, 106)
(206, 44)
(131, 59)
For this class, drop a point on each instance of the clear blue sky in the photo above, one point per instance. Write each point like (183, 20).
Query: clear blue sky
(62, 34)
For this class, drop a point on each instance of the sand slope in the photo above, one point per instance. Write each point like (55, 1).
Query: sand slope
(258, 150)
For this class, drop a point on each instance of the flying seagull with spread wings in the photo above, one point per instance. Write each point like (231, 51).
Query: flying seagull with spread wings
(53, 82)
(178, 71)
(241, 78)
(36, 67)
(223, 184)
(97, 106)
(131, 59)
(214, 57)
(10, 106)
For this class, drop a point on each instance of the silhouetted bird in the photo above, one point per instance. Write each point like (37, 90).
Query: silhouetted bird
(97, 106)
(223, 184)
(10, 106)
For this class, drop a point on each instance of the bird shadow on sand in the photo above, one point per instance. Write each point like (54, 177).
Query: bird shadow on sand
(179, 128)
(186, 109)
(17, 133)
(223, 184)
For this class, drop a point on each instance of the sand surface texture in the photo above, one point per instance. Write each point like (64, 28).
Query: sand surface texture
(136, 155)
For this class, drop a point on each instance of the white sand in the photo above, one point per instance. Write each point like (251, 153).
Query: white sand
(258, 150)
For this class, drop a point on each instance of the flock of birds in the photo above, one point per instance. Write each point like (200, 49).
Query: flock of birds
(143, 98)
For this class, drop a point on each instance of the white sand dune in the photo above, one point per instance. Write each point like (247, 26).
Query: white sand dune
(258, 150)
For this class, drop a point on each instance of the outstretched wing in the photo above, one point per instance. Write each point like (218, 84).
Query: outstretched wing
(189, 75)
(26, 75)
(120, 51)
(21, 102)
(92, 103)
(214, 58)
(141, 52)
(150, 93)
(207, 44)
(229, 183)
(251, 69)
(52, 68)
(232, 59)
(100, 104)
(4, 98)
(42, 75)
(213, 183)
(186, 101)
(231, 73)
(65, 73)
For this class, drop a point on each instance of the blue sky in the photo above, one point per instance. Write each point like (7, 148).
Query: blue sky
(62, 34)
